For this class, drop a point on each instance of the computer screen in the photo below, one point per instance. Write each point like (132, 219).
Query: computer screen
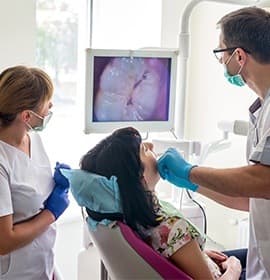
(130, 88)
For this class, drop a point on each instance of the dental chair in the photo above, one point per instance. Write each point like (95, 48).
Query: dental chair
(125, 256)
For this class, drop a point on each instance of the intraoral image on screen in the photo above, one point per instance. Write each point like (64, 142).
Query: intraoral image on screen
(131, 89)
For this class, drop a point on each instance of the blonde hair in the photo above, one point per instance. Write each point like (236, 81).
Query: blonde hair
(22, 88)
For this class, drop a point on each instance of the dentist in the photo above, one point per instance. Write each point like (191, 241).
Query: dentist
(244, 51)
(30, 200)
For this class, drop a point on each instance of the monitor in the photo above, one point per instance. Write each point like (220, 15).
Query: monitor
(130, 88)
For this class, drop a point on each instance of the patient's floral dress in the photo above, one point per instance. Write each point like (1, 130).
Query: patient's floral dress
(173, 232)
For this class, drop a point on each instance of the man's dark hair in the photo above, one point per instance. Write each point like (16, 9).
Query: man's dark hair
(248, 28)
(119, 155)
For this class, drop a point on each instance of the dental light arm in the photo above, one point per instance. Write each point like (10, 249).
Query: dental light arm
(193, 3)
(237, 127)
(263, 4)
(184, 52)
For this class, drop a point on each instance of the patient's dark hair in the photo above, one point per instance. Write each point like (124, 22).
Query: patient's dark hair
(119, 155)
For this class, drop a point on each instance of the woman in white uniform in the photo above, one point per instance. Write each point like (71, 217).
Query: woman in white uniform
(30, 201)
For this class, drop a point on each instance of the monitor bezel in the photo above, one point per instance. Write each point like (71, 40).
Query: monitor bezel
(142, 126)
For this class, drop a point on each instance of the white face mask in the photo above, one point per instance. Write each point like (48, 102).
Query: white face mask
(44, 123)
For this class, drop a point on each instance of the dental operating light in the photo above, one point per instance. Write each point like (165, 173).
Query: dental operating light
(184, 51)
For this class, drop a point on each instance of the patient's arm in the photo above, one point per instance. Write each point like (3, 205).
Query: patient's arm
(190, 259)
(238, 203)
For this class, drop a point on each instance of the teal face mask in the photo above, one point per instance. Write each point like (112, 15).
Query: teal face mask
(237, 79)
(44, 123)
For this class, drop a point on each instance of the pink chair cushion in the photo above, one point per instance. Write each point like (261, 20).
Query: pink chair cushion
(163, 266)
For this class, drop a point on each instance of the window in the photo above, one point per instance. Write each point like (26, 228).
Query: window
(56, 53)
(61, 40)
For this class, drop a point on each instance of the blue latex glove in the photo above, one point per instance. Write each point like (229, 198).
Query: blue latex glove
(173, 167)
(57, 202)
(58, 177)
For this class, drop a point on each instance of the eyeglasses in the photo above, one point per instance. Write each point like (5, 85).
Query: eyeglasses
(218, 52)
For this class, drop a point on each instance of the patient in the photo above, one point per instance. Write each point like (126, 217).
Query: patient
(133, 162)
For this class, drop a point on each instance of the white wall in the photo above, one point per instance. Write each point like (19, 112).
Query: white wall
(209, 99)
(17, 29)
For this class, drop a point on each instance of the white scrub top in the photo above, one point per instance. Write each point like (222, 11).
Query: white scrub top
(258, 151)
(25, 183)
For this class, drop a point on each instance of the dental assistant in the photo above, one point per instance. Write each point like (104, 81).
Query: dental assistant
(244, 51)
(30, 200)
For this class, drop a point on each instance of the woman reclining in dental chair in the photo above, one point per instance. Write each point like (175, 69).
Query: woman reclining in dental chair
(123, 156)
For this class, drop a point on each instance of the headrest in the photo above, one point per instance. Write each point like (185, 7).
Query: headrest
(95, 192)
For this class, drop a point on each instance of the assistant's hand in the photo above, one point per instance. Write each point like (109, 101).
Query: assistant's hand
(57, 201)
(60, 179)
(173, 167)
